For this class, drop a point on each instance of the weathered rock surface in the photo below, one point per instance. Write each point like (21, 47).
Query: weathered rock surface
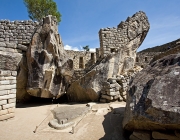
(22, 78)
(153, 99)
(49, 69)
(9, 56)
(133, 30)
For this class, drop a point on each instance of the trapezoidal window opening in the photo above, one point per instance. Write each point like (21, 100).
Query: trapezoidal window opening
(81, 62)
(137, 59)
(145, 59)
(92, 57)
(113, 50)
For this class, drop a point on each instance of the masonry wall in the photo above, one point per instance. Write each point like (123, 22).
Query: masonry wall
(17, 31)
(144, 58)
(112, 39)
(75, 56)
(10, 56)
(115, 39)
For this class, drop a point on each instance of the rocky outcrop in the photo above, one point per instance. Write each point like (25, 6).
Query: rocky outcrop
(153, 98)
(114, 61)
(49, 69)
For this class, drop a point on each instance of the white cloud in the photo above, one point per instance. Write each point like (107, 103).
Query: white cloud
(92, 50)
(68, 47)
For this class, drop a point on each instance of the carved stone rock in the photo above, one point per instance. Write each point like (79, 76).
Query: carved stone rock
(49, 69)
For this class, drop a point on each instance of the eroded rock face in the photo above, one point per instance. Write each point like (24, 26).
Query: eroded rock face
(115, 61)
(153, 99)
(48, 65)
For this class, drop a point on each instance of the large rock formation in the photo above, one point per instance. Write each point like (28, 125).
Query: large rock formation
(114, 61)
(153, 100)
(49, 69)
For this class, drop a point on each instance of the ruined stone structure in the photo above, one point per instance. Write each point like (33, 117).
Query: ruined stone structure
(81, 59)
(34, 54)
(117, 55)
(144, 57)
(117, 39)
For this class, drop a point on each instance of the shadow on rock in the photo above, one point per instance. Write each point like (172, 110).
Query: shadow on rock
(113, 125)
(34, 101)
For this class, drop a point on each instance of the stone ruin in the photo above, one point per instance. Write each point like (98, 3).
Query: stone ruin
(116, 58)
(34, 61)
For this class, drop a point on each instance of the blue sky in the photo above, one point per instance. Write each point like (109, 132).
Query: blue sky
(82, 19)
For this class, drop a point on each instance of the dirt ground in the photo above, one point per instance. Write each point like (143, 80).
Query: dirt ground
(100, 124)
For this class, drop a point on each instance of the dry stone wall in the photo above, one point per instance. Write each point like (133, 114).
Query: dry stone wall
(144, 58)
(87, 58)
(17, 31)
(114, 39)
(10, 56)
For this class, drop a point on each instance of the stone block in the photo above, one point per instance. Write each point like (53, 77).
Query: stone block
(1, 39)
(22, 47)
(5, 73)
(9, 105)
(110, 90)
(9, 96)
(3, 112)
(12, 91)
(11, 81)
(5, 82)
(11, 110)
(11, 100)
(10, 45)
(1, 27)
(3, 102)
(116, 97)
(14, 73)
(6, 39)
(102, 100)
(107, 97)
(4, 92)
(159, 135)
(113, 93)
(124, 84)
(6, 116)
(123, 93)
(2, 44)
(5, 87)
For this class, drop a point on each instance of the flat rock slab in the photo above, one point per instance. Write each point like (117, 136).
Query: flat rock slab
(66, 114)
